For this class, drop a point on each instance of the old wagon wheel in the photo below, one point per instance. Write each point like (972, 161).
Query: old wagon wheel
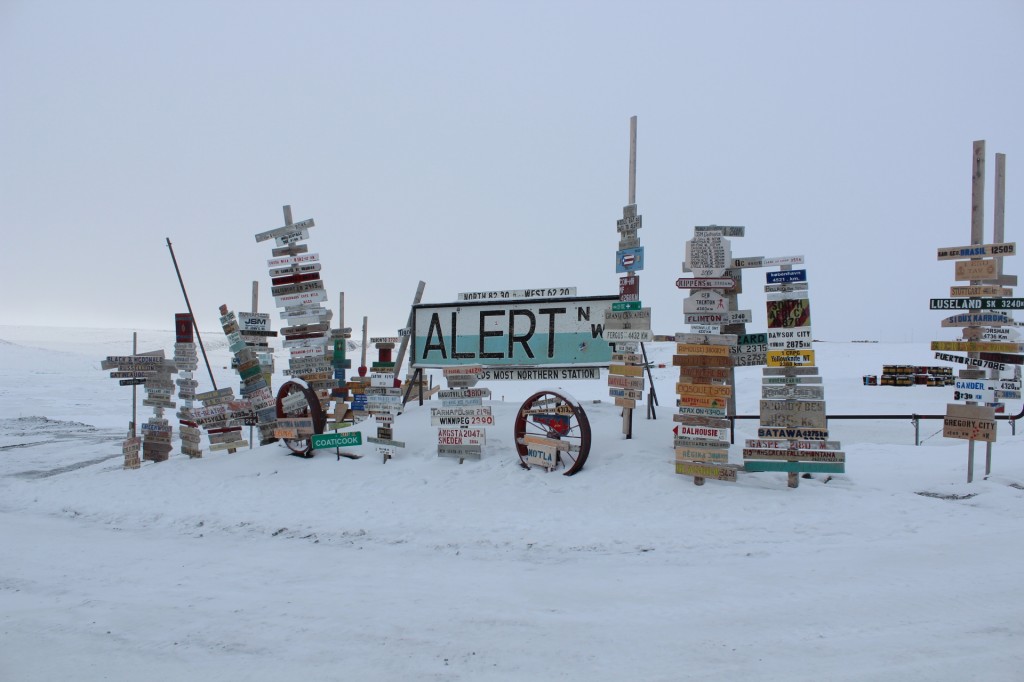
(311, 409)
(551, 428)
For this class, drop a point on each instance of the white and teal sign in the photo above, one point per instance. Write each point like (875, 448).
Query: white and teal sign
(563, 331)
(337, 440)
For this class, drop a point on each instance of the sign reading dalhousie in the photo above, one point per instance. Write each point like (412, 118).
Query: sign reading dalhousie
(552, 331)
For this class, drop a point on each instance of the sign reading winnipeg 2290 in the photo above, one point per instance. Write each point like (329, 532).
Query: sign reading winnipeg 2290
(525, 333)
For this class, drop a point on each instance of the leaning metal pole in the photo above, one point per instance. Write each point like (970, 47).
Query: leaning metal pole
(195, 324)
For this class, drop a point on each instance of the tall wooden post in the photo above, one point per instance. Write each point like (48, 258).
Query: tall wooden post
(403, 346)
(632, 159)
(998, 235)
(135, 387)
(977, 237)
(362, 360)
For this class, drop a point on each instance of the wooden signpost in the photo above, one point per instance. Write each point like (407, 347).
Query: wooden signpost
(316, 352)
(985, 339)
(707, 359)
(792, 407)
(187, 361)
(628, 325)
(462, 418)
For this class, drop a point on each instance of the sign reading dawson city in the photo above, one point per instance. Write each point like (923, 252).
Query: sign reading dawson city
(521, 333)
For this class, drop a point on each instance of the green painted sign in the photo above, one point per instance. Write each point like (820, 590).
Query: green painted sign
(809, 467)
(627, 305)
(337, 440)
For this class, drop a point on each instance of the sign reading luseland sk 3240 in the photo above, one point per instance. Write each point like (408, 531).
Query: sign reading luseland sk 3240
(525, 333)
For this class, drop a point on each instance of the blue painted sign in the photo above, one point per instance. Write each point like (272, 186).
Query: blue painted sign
(784, 276)
(629, 260)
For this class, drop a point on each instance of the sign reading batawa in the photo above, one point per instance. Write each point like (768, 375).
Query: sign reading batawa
(519, 333)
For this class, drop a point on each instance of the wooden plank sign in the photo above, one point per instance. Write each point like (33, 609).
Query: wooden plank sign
(789, 358)
(793, 414)
(287, 229)
(969, 422)
(718, 472)
(978, 250)
(461, 436)
(966, 270)
(788, 313)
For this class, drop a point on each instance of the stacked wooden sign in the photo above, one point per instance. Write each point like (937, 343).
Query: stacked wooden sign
(221, 416)
(706, 356)
(251, 372)
(383, 398)
(793, 435)
(628, 323)
(156, 432)
(298, 290)
(187, 361)
(133, 370)
(462, 418)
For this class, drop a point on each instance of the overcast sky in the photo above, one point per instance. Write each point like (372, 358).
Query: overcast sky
(484, 145)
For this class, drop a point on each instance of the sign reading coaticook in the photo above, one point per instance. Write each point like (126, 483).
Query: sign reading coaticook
(564, 331)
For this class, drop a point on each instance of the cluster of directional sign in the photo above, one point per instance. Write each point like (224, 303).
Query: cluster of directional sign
(628, 323)
(705, 356)
(462, 418)
(186, 360)
(383, 398)
(255, 385)
(793, 434)
(153, 371)
(983, 312)
(300, 294)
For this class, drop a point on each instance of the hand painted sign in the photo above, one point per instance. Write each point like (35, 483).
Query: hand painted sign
(789, 313)
(976, 270)
(976, 250)
(565, 331)
(629, 260)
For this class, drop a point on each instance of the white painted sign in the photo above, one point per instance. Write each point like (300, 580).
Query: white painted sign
(525, 333)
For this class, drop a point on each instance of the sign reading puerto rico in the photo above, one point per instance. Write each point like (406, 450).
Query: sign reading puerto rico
(525, 333)
(629, 260)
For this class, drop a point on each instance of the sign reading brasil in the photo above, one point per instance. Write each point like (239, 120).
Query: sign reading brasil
(562, 331)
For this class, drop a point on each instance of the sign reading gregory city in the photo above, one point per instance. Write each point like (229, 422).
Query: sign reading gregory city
(562, 331)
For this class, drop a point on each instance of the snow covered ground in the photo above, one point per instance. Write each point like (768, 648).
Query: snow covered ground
(262, 566)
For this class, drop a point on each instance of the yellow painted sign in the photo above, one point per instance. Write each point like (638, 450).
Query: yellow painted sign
(701, 349)
(626, 370)
(978, 346)
(713, 390)
(790, 358)
(701, 401)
